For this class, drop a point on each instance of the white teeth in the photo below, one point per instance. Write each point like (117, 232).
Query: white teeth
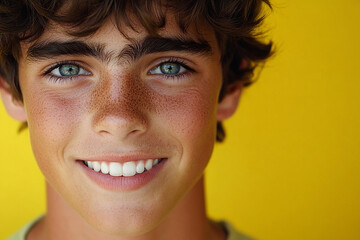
(89, 163)
(115, 169)
(104, 168)
(140, 167)
(148, 164)
(126, 169)
(96, 166)
(129, 169)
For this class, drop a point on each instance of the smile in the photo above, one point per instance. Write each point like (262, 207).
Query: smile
(127, 169)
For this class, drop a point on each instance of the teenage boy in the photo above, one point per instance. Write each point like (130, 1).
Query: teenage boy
(124, 101)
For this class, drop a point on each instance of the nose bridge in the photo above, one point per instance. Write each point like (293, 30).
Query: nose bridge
(119, 104)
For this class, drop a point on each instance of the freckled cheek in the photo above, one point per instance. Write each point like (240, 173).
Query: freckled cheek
(52, 119)
(191, 116)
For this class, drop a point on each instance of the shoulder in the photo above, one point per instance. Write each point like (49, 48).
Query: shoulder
(232, 233)
(21, 234)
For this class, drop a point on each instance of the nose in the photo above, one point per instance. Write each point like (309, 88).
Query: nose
(120, 110)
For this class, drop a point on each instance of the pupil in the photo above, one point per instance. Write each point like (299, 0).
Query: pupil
(69, 70)
(170, 68)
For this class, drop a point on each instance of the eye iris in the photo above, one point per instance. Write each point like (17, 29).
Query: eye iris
(69, 70)
(170, 68)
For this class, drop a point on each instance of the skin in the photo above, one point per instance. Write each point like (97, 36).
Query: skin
(121, 108)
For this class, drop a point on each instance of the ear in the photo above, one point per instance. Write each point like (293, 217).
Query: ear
(228, 105)
(14, 108)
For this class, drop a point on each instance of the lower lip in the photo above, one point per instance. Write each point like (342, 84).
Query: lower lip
(112, 183)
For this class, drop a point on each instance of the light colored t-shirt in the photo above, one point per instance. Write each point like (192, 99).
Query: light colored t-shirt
(232, 233)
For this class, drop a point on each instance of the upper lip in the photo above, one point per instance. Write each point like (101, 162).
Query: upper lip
(121, 158)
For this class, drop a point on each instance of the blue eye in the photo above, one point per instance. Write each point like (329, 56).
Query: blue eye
(168, 68)
(68, 70)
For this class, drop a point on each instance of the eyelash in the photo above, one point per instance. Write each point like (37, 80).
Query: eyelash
(174, 76)
(57, 79)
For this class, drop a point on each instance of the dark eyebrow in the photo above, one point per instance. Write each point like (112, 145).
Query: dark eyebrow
(133, 51)
(46, 50)
(150, 45)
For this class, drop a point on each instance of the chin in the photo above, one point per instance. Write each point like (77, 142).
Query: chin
(124, 224)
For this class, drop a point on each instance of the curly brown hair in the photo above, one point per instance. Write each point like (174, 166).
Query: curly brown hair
(235, 23)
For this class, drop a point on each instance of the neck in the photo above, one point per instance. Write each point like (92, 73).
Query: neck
(188, 220)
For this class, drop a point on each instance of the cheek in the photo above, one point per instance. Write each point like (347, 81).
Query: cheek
(191, 115)
(51, 116)
(51, 121)
(190, 119)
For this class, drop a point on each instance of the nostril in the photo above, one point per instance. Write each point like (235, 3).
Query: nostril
(119, 130)
(135, 132)
(119, 125)
(104, 133)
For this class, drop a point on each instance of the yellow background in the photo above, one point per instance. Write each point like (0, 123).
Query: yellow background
(290, 167)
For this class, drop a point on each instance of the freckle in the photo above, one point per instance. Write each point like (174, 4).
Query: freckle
(124, 95)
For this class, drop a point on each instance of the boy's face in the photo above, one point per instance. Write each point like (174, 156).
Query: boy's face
(108, 99)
